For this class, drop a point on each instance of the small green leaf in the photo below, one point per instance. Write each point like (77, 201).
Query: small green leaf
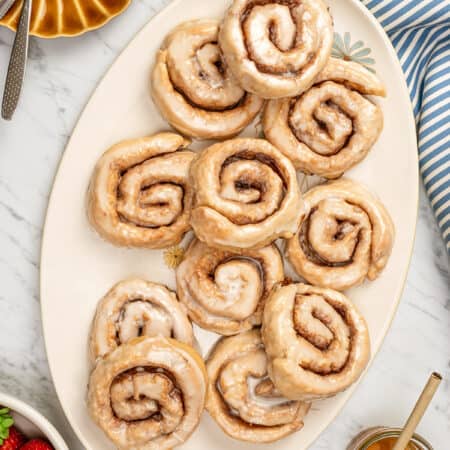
(4, 411)
(4, 434)
(7, 423)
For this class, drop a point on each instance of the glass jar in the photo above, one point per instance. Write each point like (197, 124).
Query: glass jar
(383, 438)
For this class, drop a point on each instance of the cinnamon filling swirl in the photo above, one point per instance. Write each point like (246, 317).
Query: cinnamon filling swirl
(317, 343)
(242, 399)
(225, 292)
(193, 87)
(275, 48)
(247, 195)
(332, 126)
(139, 194)
(346, 236)
(134, 308)
(148, 393)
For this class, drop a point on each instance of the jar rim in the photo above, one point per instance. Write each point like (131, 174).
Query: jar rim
(386, 432)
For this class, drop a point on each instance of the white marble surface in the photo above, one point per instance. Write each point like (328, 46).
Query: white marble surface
(61, 75)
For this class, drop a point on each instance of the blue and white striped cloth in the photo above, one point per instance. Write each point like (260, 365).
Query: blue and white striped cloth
(420, 33)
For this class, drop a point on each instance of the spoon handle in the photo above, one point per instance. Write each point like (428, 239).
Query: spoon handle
(17, 63)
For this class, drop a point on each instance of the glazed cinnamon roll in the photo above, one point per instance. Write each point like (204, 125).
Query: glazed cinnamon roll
(193, 87)
(246, 195)
(317, 342)
(346, 236)
(275, 48)
(225, 292)
(139, 194)
(148, 394)
(242, 399)
(133, 308)
(331, 127)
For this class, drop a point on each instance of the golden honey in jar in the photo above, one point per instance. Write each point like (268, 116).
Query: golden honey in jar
(388, 444)
(384, 438)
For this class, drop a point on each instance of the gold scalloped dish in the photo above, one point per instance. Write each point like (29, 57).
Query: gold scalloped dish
(56, 18)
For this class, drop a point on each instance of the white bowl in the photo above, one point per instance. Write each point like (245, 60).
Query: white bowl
(32, 423)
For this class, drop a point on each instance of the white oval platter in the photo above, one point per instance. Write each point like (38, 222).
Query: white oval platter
(77, 267)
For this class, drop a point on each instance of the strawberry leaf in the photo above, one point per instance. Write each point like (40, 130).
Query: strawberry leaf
(7, 423)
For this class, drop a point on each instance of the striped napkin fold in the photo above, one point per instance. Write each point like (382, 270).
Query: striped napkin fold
(420, 33)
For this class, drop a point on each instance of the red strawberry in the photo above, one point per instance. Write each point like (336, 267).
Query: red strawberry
(14, 440)
(36, 444)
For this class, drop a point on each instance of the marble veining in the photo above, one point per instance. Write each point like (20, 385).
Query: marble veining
(61, 75)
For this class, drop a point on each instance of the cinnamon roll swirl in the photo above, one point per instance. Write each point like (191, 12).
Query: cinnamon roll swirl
(331, 127)
(225, 292)
(275, 48)
(139, 194)
(148, 394)
(193, 88)
(347, 236)
(133, 308)
(242, 399)
(317, 342)
(246, 195)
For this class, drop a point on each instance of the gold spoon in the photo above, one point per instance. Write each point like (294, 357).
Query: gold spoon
(418, 411)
